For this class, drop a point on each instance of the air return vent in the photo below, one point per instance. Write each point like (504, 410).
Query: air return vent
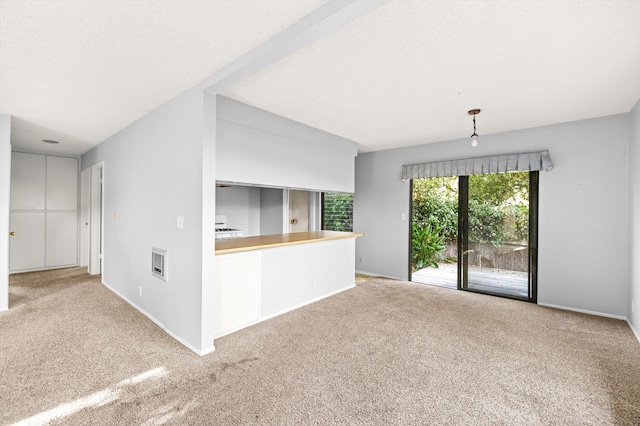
(159, 263)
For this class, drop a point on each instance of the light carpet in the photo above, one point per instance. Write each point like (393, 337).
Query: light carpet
(385, 352)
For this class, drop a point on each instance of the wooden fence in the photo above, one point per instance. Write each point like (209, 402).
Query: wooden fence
(509, 256)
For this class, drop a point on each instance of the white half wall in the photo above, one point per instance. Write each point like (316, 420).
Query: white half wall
(633, 311)
(157, 169)
(5, 192)
(583, 213)
(296, 275)
(260, 148)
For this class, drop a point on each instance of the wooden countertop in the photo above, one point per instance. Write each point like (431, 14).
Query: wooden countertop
(235, 245)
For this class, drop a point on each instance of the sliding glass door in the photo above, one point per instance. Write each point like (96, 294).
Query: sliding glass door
(494, 233)
(434, 231)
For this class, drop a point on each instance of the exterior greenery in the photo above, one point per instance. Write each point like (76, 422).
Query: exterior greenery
(498, 213)
(427, 246)
(337, 211)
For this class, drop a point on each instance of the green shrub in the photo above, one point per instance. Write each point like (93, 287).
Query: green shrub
(498, 207)
(337, 211)
(485, 224)
(435, 202)
(427, 246)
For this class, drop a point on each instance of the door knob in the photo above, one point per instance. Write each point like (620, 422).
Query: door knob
(13, 234)
(294, 221)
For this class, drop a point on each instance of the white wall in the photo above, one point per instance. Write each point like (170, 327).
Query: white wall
(241, 205)
(271, 211)
(159, 168)
(257, 147)
(583, 213)
(634, 214)
(293, 276)
(5, 191)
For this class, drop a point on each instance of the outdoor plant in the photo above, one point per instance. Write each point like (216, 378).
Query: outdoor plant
(337, 212)
(486, 224)
(435, 201)
(427, 246)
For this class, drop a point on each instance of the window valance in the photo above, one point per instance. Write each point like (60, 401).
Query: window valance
(528, 161)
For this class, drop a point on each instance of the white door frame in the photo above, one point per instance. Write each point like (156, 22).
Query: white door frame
(314, 210)
(285, 211)
(85, 209)
(96, 219)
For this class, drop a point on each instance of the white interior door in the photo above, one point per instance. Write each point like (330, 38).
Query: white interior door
(61, 239)
(27, 241)
(62, 184)
(44, 212)
(28, 181)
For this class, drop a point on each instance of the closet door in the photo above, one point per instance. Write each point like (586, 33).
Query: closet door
(28, 181)
(62, 212)
(26, 241)
(27, 219)
(62, 184)
(44, 212)
(61, 239)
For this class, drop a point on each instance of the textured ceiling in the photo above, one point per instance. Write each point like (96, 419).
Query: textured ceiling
(80, 71)
(408, 72)
(405, 73)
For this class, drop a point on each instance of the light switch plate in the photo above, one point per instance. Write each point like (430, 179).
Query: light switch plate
(180, 222)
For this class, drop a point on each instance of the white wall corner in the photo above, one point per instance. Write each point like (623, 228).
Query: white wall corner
(583, 311)
(633, 279)
(635, 332)
(198, 351)
(5, 201)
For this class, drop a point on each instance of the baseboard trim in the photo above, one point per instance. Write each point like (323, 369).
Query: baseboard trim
(635, 332)
(238, 328)
(583, 311)
(159, 324)
(4, 309)
(371, 274)
(43, 268)
(308, 302)
(259, 320)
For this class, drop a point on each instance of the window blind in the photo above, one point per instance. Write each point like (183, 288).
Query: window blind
(528, 161)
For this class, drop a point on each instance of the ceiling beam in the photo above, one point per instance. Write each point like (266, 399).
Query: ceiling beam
(322, 21)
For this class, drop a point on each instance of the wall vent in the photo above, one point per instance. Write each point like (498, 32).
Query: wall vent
(159, 263)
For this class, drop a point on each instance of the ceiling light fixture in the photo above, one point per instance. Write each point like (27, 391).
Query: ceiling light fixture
(474, 136)
(49, 141)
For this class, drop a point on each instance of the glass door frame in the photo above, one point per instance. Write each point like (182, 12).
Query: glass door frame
(463, 238)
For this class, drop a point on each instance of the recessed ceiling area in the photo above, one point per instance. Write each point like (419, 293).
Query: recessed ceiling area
(405, 73)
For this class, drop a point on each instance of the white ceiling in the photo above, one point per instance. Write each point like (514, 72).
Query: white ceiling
(79, 71)
(406, 73)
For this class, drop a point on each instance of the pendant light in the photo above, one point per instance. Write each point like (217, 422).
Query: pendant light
(474, 136)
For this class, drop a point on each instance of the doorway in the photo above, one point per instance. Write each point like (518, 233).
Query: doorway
(298, 211)
(476, 233)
